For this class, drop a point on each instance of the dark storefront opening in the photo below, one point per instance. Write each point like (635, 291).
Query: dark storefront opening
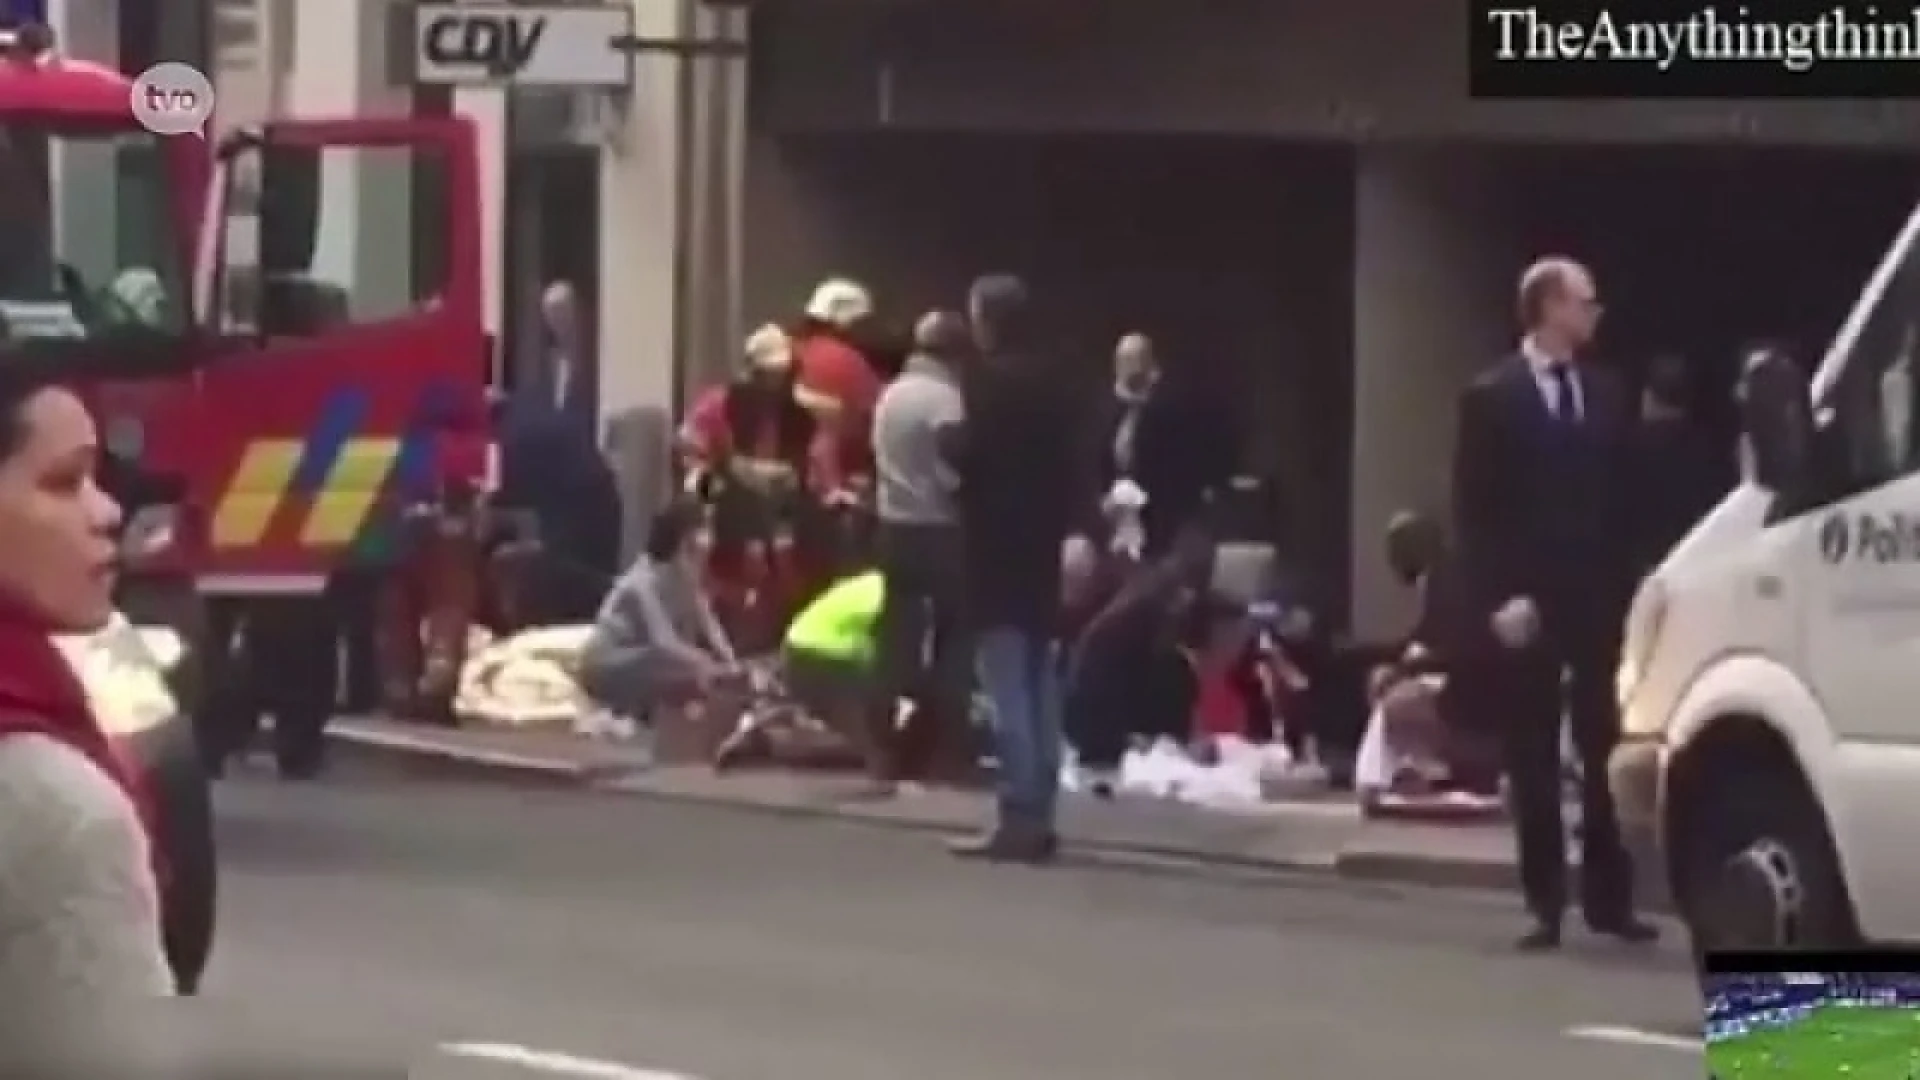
(1701, 251)
(1234, 255)
(553, 206)
(1238, 257)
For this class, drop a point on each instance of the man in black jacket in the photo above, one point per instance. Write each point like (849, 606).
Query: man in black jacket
(1020, 485)
(1167, 436)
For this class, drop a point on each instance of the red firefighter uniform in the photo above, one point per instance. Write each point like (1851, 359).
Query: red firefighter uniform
(752, 428)
(754, 456)
(428, 605)
(836, 382)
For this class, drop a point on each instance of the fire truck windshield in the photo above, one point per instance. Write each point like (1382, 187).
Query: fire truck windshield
(89, 245)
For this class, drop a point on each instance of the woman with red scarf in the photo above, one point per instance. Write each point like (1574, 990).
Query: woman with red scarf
(80, 939)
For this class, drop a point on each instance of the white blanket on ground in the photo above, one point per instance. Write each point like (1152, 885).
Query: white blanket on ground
(525, 680)
(1241, 775)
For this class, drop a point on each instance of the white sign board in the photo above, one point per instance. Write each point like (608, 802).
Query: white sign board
(511, 45)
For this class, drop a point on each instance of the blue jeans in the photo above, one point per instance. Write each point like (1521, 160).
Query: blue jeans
(1017, 672)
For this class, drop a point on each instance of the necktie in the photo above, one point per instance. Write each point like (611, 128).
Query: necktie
(1566, 406)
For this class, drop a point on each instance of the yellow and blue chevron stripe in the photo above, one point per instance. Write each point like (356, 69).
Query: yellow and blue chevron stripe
(320, 491)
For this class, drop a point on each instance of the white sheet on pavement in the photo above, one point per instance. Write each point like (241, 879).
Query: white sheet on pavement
(524, 680)
(1242, 774)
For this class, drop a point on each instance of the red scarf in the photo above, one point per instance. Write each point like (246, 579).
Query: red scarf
(40, 694)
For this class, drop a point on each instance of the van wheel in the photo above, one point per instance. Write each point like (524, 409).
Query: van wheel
(1763, 874)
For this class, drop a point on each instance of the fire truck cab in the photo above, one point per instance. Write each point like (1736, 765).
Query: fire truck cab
(278, 369)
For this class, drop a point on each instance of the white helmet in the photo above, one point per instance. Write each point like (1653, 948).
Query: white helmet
(839, 301)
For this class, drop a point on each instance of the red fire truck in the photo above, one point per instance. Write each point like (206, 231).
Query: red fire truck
(283, 386)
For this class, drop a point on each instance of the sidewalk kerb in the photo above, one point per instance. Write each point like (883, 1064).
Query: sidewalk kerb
(432, 758)
(1130, 853)
(1420, 868)
(428, 757)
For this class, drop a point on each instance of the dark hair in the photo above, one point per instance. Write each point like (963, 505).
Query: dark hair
(668, 531)
(1003, 305)
(20, 380)
(941, 334)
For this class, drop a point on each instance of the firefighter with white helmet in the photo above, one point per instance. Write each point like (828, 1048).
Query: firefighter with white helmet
(837, 379)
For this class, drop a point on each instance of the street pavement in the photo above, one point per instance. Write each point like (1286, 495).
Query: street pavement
(375, 926)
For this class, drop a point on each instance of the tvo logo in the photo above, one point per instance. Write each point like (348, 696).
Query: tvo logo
(502, 45)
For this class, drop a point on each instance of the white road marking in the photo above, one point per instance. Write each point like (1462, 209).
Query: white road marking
(556, 1062)
(1628, 1036)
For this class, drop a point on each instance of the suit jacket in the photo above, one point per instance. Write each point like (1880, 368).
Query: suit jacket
(1516, 498)
(1184, 450)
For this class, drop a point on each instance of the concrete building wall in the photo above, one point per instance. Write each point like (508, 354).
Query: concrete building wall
(1434, 259)
(1362, 69)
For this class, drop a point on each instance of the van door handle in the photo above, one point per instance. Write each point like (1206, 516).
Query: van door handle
(1768, 586)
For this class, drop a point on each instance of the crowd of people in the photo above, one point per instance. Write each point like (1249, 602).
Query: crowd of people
(953, 523)
(996, 551)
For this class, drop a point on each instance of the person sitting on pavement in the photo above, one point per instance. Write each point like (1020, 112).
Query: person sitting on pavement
(656, 648)
(1421, 740)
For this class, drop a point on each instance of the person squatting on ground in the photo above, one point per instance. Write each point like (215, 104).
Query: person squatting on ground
(656, 652)
(827, 670)
(1022, 485)
(80, 936)
(923, 632)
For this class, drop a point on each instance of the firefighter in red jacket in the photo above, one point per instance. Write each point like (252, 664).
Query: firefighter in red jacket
(838, 383)
(753, 456)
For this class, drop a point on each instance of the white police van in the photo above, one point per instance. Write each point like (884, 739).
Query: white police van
(1770, 679)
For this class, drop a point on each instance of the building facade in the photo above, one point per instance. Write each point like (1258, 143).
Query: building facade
(1302, 201)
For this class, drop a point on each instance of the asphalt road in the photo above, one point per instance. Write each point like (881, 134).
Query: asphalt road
(376, 927)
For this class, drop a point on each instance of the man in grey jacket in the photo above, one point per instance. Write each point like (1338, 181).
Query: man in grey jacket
(922, 641)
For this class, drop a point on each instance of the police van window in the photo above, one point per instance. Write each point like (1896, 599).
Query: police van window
(364, 265)
(1874, 402)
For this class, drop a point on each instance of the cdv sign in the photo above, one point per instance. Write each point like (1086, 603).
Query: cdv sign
(507, 45)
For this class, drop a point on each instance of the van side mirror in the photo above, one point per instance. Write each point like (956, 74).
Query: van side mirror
(289, 207)
(1776, 416)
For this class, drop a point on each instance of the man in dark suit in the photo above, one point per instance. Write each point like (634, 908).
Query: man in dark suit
(1168, 437)
(1538, 500)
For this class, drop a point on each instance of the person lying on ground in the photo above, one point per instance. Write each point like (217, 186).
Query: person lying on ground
(656, 644)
